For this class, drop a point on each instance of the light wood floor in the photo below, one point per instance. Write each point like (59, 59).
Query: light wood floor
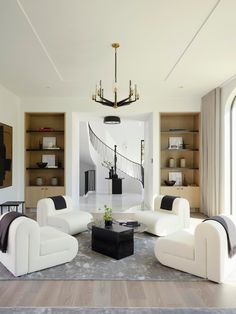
(117, 293)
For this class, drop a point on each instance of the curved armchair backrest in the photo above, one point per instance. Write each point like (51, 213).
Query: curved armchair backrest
(46, 207)
(23, 244)
(211, 239)
(178, 204)
(180, 207)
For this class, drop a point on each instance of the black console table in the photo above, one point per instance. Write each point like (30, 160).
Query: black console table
(14, 204)
(116, 185)
(116, 241)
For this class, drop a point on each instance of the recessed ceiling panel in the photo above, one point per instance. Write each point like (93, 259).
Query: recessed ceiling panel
(62, 47)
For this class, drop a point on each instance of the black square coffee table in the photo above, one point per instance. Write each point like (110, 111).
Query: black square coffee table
(116, 241)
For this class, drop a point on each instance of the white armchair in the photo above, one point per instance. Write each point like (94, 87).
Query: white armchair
(31, 248)
(203, 252)
(161, 221)
(69, 219)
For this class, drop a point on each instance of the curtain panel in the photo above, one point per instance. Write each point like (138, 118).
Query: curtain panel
(211, 183)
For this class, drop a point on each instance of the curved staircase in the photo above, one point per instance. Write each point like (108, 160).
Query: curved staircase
(125, 165)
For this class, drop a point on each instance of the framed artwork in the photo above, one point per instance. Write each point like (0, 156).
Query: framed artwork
(49, 142)
(177, 177)
(175, 142)
(5, 155)
(50, 159)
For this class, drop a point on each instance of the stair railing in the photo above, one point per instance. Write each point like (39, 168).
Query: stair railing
(124, 164)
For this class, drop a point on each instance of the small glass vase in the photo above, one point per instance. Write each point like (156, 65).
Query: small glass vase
(111, 173)
(108, 223)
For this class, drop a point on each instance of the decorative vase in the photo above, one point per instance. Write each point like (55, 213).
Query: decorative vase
(171, 163)
(108, 223)
(54, 181)
(182, 162)
(39, 181)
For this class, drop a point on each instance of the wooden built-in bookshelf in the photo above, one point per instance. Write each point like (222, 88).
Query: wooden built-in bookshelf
(37, 127)
(185, 126)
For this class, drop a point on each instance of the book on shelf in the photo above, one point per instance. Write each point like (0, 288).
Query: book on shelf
(129, 223)
(52, 148)
(46, 129)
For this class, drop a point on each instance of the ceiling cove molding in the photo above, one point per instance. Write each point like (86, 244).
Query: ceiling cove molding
(39, 40)
(226, 82)
(192, 40)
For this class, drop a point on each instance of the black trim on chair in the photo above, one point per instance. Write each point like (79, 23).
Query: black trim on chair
(167, 202)
(59, 202)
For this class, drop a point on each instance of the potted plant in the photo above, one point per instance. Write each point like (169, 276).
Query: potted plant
(107, 216)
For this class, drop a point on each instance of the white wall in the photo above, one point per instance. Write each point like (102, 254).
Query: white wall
(148, 162)
(9, 114)
(151, 159)
(85, 160)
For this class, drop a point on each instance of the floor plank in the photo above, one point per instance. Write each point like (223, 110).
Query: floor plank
(117, 294)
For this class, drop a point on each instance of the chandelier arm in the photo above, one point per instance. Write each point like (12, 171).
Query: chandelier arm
(110, 104)
(106, 100)
(125, 103)
(122, 101)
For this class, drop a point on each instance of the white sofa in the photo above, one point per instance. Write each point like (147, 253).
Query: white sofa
(161, 221)
(69, 220)
(203, 252)
(31, 247)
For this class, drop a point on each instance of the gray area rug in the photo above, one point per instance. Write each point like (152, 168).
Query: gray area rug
(89, 265)
(79, 310)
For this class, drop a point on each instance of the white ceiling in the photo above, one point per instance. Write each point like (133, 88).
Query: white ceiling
(62, 48)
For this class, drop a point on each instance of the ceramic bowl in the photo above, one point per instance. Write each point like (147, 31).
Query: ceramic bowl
(169, 183)
(42, 164)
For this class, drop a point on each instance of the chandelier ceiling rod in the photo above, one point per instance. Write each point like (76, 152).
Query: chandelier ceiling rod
(115, 45)
(99, 92)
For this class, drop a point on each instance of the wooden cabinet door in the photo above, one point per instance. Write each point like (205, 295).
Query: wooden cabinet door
(33, 194)
(54, 191)
(170, 190)
(192, 194)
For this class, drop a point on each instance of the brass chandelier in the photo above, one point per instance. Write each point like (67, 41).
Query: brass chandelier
(99, 91)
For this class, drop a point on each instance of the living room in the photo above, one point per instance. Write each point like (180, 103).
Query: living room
(181, 55)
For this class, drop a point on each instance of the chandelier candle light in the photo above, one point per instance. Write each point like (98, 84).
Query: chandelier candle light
(99, 92)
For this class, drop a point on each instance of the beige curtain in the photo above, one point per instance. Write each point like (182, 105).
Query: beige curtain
(210, 153)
